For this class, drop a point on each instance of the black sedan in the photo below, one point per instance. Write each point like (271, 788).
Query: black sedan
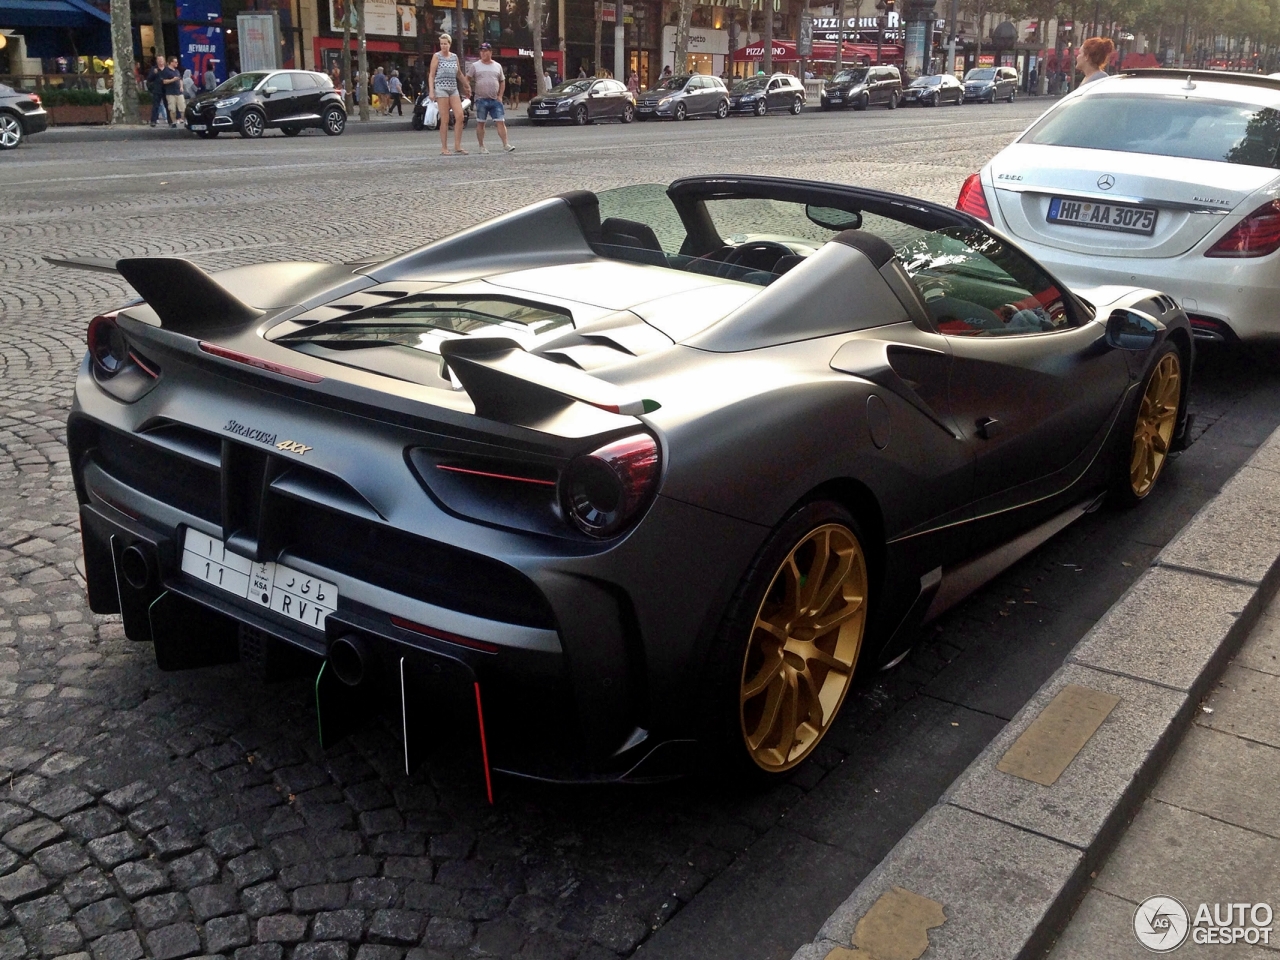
(934, 91)
(618, 484)
(21, 115)
(252, 103)
(584, 101)
(760, 95)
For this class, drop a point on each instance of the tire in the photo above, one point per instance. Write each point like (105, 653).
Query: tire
(11, 132)
(1142, 451)
(893, 102)
(737, 730)
(722, 110)
(796, 106)
(1012, 94)
(291, 131)
(580, 116)
(761, 108)
(681, 112)
(628, 113)
(252, 124)
(334, 121)
(863, 102)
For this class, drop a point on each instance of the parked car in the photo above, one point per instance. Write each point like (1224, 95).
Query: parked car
(1162, 177)
(584, 101)
(861, 87)
(934, 91)
(759, 95)
(21, 115)
(252, 103)
(652, 473)
(989, 84)
(681, 97)
(420, 111)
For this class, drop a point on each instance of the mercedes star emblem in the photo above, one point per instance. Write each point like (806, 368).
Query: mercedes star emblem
(1106, 182)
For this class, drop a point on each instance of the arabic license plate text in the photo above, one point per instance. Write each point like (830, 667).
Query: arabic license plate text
(1103, 216)
(291, 593)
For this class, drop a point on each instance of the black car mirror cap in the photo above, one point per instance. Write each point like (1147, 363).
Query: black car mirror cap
(1129, 329)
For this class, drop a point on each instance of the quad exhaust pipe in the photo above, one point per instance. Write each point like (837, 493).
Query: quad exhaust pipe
(351, 658)
(135, 567)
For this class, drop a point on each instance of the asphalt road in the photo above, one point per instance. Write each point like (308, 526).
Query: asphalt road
(189, 813)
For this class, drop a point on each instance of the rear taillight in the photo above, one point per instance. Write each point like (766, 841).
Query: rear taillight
(606, 489)
(35, 99)
(108, 348)
(1256, 235)
(973, 199)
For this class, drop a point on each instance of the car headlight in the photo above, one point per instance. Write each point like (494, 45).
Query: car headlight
(229, 102)
(563, 106)
(664, 101)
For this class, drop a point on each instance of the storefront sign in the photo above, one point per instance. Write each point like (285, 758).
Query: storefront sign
(199, 11)
(383, 18)
(201, 47)
(610, 12)
(986, 60)
(853, 23)
(259, 36)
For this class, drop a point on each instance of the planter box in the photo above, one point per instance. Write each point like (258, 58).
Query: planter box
(59, 116)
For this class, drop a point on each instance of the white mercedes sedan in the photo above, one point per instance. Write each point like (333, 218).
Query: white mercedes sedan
(1159, 177)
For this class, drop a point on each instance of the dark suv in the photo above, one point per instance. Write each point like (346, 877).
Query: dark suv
(759, 95)
(861, 87)
(249, 103)
(990, 84)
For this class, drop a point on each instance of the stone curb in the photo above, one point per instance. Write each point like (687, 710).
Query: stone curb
(104, 134)
(1009, 859)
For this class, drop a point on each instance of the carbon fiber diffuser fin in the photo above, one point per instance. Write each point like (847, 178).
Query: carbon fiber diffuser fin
(184, 297)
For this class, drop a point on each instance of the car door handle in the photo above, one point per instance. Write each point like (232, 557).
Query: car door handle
(989, 428)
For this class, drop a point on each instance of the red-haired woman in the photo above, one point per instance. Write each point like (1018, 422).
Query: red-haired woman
(1094, 54)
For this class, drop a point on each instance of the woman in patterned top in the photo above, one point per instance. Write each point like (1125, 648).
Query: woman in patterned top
(443, 81)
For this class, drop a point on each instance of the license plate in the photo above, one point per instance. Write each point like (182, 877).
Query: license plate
(1103, 216)
(296, 595)
(541, 110)
(196, 126)
(836, 99)
(645, 109)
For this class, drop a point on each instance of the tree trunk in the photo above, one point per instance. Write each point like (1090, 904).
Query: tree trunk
(768, 36)
(363, 62)
(685, 20)
(535, 28)
(595, 53)
(840, 12)
(124, 101)
(346, 61)
(157, 28)
(420, 71)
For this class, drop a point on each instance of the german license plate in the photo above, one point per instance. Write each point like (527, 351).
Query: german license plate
(291, 593)
(1103, 216)
(196, 126)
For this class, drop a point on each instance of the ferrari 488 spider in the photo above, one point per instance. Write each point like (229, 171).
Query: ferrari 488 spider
(617, 484)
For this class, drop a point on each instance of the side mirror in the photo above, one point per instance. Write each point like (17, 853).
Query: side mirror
(1132, 330)
(268, 91)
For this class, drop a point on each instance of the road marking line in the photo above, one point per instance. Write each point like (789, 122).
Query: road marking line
(1047, 747)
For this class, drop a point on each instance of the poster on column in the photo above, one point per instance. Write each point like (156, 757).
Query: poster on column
(201, 47)
(383, 18)
(198, 11)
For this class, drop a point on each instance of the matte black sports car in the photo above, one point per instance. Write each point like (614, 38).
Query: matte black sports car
(622, 480)
(252, 103)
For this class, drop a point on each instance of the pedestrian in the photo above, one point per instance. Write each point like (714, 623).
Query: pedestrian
(444, 79)
(173, 100)
(517, 82)
(666, 71)
(489, 83)
(396, 89)
(381, 89)
(633, 83)
(155, 86)
(582, 72)
(1031, 82)
(188, 85)
(210, 77)
(1093, 56)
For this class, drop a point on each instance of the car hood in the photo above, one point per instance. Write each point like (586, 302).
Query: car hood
(1191, 195)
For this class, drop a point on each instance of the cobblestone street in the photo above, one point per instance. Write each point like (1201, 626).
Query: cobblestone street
(170, 815)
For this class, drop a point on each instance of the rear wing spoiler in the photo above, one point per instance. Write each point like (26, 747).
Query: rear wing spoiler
(184, 297)
(504, 380)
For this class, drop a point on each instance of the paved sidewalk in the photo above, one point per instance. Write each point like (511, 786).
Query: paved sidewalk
(1209, 833)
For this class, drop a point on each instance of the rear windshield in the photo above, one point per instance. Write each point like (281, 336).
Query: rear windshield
(1164, 126)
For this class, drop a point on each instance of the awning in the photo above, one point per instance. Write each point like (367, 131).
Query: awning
(784, 51)
(51, 13)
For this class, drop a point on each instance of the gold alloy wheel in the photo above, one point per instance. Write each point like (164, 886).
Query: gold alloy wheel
(1157, 417)
(803, 647)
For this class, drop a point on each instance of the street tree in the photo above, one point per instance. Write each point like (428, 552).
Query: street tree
(684, 21)
(536, 8)
(124, 97)
(768, 35)
(157, 28)
(362, 84)
(348, 10)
